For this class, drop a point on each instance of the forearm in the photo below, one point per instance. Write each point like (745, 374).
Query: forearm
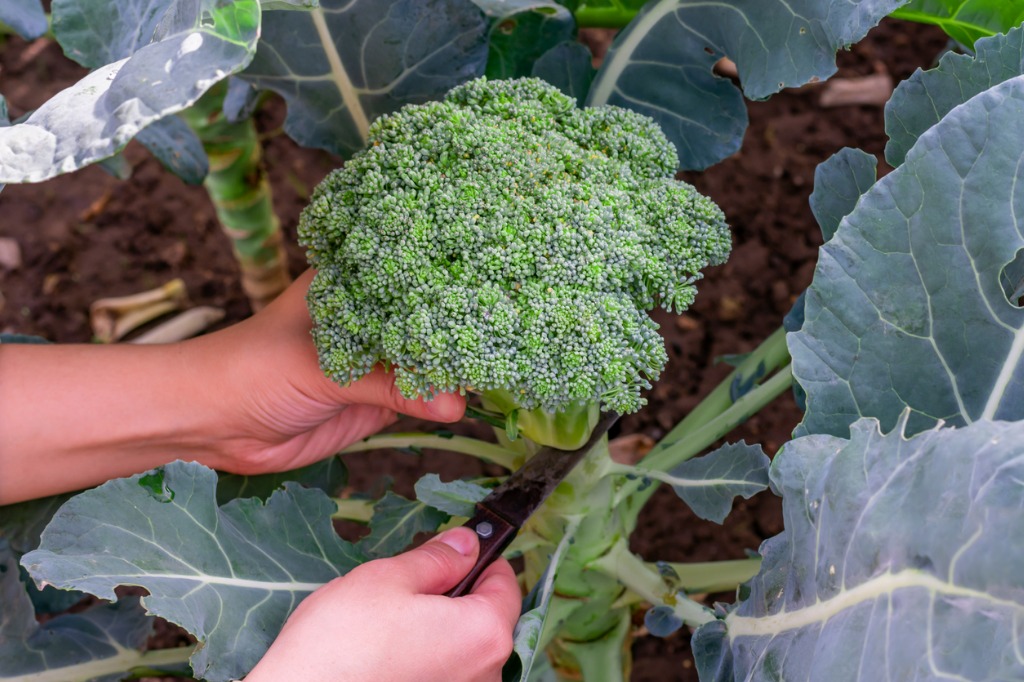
(74, 416)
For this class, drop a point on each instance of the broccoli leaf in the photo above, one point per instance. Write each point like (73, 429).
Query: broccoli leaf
(26, 17)
(162, 64)
(230, 575)
(965, 21)
(661, 63)
(521, 31)
(897, 562)
(839, 182)
(457, 498)
(97, 644)
(708, 484)
(341, 66)
(568, 67)
(328, 475)
(177, 147)
(919, 102)
(907, 308)
(395, 523)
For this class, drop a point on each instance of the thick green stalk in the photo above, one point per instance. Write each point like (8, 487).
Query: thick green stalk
(240, 190)
(582, 615)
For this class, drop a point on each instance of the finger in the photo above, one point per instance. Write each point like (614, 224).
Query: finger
(352, 424)
(498, 587)
(435, 566)
(378, 388)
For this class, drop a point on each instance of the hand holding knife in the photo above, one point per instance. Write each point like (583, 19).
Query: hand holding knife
(501, 514)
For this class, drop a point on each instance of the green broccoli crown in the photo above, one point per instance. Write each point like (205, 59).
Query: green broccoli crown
(502, 239)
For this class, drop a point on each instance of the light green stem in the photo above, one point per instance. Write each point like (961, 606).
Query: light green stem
(713, 576)
(702, 437)
(353, 510)
(631, 571)
(488, 452)
(766, 358)
(138, 665)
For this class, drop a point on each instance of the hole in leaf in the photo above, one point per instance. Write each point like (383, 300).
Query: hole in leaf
(1011, 278)
(507, 26)
(709, 50)
(803, 30)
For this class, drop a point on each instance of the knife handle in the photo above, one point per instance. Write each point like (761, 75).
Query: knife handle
(495, 534)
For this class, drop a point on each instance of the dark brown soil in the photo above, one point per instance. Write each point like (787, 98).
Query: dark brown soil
(87, 235)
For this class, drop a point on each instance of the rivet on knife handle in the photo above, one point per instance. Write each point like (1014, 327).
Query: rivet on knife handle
(495, 534)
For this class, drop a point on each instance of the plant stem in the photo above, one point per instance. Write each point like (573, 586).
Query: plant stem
(713, 576)
(769, 356)
(353, 509)
(604, 17)
(240, 190)
(703, 436)
(137, 664)
(489, 452)
(718, 413)
(631, 571)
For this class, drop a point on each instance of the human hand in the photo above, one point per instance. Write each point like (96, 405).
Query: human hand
(388, 621)
(277, 411)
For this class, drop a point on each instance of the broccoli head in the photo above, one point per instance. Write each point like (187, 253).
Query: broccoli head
(505, 242)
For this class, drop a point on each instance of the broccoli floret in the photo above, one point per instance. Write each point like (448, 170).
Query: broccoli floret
(504, 242)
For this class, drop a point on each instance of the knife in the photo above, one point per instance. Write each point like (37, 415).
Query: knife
(501, 514)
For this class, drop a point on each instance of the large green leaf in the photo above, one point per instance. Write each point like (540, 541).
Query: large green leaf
(839, 182)
(97, 644)
(661, 64)
(521, 31)
(177, 147)
(343, 65)
(328, 475)
(26, 17)
(97, 33)
(172, 60)
(907, 308)
(395, 522)
(965, 21)
(567, 66)
(230, 575)
(900, 561)
(923, 99)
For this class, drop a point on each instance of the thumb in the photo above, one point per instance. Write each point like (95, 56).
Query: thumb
(438, 565)
(378, 389)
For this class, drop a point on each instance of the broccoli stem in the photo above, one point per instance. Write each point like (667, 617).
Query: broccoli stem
(240, 190)
(488, 452)
(582, 612)
(566, 429)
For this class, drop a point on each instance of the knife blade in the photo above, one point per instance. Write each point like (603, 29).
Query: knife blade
(501, 514)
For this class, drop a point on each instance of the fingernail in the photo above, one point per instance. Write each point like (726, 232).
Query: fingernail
(462, 540)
